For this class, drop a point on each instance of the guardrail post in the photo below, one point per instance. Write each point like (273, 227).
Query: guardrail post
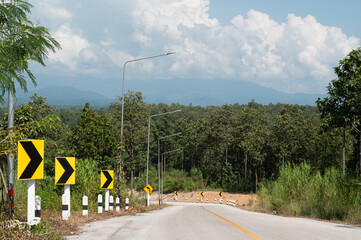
(85, 205)
(64, 207)
(127, 203)
(37, 217)
(117, 205)
(111, 203)
(100, 203)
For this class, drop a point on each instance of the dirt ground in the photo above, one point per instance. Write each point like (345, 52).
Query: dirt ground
(51, 223)
(245, 201)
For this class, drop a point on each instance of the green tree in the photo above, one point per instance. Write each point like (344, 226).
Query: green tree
(254, 130)
(135, 130)
(343, 105)
(21, 41)
(94, 138)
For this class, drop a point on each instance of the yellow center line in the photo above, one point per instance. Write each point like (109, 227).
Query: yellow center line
(235, 225)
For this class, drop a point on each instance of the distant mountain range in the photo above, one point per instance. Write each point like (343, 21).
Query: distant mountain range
(216, 92)
(200, 92)
(64, 96)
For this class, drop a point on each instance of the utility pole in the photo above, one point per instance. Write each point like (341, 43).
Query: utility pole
(10, 171)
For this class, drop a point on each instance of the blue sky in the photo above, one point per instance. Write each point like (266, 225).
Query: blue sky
(290, 46)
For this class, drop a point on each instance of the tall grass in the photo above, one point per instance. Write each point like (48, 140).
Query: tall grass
(299, 191)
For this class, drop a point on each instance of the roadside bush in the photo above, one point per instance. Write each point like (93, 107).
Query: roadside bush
(299, 191)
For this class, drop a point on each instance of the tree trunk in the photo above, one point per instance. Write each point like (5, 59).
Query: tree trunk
(210, 155)
(256, 180)
(283, 162)
(131, 181)
(245, 166)
(360, 151)
(131, 171)
(226, 153)
(344, 151)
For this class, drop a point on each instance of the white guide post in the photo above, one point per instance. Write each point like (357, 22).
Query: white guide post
(111, 203)
(64, 207)
(31, 202)
(117, 204)
(85, 206)
(127, 203)
(106, 204)
(67, 193)
(37, 213)
(100, 203)
(148, 198)
(207, 200)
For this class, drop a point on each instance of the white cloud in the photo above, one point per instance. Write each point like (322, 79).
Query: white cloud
(74, 48)
(292, 56)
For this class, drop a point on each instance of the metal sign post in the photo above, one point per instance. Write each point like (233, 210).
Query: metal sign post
(31, 201)
(106, 204)
(67, 193)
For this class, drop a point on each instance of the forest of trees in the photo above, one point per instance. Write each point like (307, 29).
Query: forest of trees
(234, 147)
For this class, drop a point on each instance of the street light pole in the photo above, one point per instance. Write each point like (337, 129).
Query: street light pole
(163, 166)
(155, 115)
(122, 117)
(172, 135)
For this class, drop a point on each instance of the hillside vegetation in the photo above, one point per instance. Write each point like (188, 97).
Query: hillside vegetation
(232, 147)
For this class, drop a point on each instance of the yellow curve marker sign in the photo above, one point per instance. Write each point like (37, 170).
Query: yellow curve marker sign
(176, 193)
(30, 159)
(64, 170)
(202, 194)
(148, 189)
(106, 179)
(220, 194)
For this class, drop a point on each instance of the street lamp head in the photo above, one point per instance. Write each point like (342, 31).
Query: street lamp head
(170, 53)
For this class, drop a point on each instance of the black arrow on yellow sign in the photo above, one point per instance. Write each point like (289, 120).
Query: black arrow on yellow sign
(109, 179)
(35, 159)
(68, 170)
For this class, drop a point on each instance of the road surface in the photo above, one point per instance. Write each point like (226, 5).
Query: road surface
(211, 221)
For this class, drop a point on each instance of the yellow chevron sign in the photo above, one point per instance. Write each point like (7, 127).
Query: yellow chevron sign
(106, 179)
(30, 159)
(64, 170)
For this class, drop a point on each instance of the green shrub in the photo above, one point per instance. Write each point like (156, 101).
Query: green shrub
(299, 191)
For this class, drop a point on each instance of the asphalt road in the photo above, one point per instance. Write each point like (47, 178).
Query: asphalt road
(211, 221)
